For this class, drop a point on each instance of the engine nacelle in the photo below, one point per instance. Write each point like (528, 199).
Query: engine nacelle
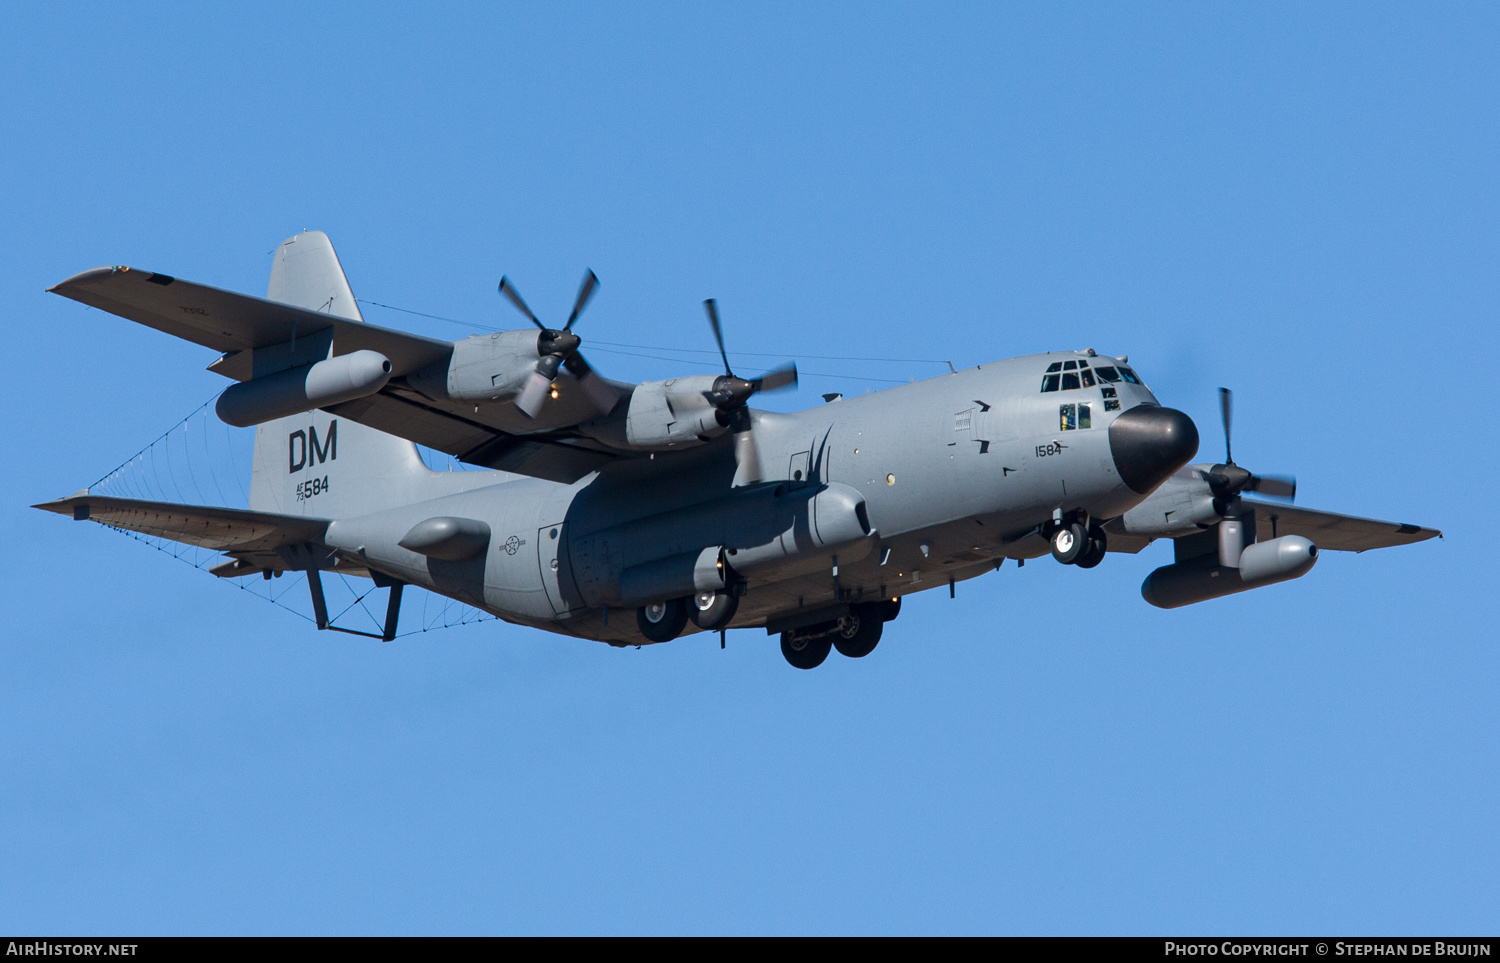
(1182, 503)
(671, 413)
(1202, 578)
(484, 367)
(343, 378)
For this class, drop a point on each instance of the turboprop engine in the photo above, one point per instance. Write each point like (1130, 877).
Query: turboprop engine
(488, 367)
(664, 414)
(338, 379)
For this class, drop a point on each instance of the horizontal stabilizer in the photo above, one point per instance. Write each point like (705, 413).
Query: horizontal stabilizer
(1329, 530)
(230, 322)
(220, 529)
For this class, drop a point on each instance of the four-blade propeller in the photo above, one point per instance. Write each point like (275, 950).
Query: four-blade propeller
(560, 349)
(1226, 481)
(731, 394)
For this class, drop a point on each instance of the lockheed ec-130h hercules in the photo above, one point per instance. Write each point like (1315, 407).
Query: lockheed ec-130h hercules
(635, 513)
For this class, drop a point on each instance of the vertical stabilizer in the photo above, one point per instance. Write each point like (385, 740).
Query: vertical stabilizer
(314, 463)
(307, 274)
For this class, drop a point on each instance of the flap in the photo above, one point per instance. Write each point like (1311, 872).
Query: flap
(548, 457)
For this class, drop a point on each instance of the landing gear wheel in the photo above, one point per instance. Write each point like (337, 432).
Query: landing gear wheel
(711, 611)
(1069, 543)
(662, 621)
(1097, 547)
(802, 652)
(859, 632)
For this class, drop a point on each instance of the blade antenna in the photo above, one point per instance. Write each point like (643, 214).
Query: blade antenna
(585, 294)
(509, 291)
(712, 307)
(1226, 404)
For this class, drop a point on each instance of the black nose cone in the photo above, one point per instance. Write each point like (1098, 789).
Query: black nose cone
(1150, 443)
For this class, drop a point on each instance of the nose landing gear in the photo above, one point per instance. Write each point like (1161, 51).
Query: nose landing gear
(1075, 544)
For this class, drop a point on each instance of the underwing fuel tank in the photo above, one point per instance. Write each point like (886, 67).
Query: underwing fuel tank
(330, 382)
(1202, 578)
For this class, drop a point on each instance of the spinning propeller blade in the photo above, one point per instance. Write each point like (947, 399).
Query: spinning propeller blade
(585, 294)
(712, 307)
(1228, 480)
(777, 378)
(510, 292)
(731, 394)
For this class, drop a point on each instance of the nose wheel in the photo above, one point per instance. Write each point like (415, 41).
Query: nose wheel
(1073, 544)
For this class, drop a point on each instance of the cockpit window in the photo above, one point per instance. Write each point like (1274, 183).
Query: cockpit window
(1073, 417)
(1076, 374)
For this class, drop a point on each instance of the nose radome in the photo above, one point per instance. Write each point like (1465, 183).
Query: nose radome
(1149, 444)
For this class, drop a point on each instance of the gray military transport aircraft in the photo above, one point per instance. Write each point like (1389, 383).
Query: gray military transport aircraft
(635, 513)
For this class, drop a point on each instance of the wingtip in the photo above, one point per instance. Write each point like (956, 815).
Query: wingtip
(83, 277)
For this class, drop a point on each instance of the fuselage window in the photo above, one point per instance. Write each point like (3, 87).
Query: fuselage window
(1111, 405)
(1083, 364)
(1088, 377)
(1054, 366)
(1084, 421)
(1049, 382)
(1108, 392)
(1107, 374)
(1070, 380)
(1069, 365)
(1129, 375)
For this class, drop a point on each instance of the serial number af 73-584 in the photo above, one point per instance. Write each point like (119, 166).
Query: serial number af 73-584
(309, 489)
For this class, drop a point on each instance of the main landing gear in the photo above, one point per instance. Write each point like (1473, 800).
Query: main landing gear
(854, 635)
(1075, 544)
(664, 621)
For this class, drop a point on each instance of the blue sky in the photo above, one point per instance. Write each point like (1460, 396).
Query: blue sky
(1296, 201)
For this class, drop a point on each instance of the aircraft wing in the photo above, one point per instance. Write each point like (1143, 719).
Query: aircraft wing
(237, 324)
(221, 529)
(230, 322)
(1329, 530)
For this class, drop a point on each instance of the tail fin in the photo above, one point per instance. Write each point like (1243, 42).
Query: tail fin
(314, 463)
